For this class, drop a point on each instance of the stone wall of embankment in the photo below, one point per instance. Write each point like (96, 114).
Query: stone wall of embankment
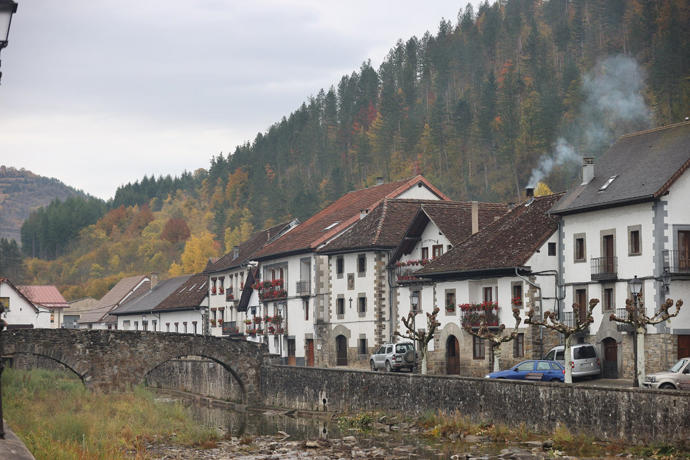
(636, 415)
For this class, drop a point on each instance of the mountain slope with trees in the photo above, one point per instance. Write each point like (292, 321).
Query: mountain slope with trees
(514, 88)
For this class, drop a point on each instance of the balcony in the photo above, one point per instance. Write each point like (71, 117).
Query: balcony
(303, 288)
(404, 271)
(229, 296)
(270, 291)
(266, 325)
(604, 268)
(623, 327)
(569, 320)
(677, 262)
(230, 328)
(473, 315)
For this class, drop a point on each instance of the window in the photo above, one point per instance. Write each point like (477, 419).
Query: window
(450, 246)
(552, 249)
(361, 305)
(608, 299)
(477, 348)
(340, 306)
(634, 247)
(437, 250)
(519, 346)
(526, 366)
(339, 266)
(184, 325)
(155, 323)
(542, 366)
(177, 327)
(581, 301)
(450, 301)
(488, 294)
(241, 281)
(350, 281)
(361, 264)
(517, 294)
(126, 325)
(167, 327)
(362, 346)
(305, 305)
(194, 327)
(425, 253)
(580, 249)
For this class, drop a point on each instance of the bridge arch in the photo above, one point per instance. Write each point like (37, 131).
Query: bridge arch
(116, 360)
(52, 358)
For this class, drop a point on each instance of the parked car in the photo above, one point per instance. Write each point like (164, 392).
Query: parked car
(394, 356)
(586, 363)
(676, 378)
(533, 369)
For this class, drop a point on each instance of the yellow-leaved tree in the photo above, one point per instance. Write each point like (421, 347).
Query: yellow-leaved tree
(241, 233)
(542, 190)
(197, 251)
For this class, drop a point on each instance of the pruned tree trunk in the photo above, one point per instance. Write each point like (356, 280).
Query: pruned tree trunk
(568, 360)
(640, 355)
(497, 364)
(424, 358)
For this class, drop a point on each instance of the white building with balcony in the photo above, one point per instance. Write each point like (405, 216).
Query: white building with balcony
(630, 217)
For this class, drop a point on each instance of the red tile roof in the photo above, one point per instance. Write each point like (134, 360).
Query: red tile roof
(338, 216)
(46, 296)
(507, 243)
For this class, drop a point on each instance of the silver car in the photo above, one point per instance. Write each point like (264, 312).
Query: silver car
(676, 378)
(394, 356)
(584, 356)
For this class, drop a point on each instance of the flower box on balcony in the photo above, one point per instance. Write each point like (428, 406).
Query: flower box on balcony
(221, 290)
(213, 322)
(517, 301)
(257, 320)
(247, 322)
(473, 315)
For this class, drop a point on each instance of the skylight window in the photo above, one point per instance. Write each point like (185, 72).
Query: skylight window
(332, 225)
(607, 183)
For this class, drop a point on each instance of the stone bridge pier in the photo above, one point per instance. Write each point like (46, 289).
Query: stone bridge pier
(115, 360)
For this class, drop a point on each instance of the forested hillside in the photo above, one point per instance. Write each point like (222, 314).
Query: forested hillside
(21, 192)
(513, 92)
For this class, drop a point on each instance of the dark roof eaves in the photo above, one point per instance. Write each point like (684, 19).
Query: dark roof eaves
(606, 205)
(469, 274)
(377, 247)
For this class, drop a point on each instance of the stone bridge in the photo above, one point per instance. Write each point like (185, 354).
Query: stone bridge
(116, 360)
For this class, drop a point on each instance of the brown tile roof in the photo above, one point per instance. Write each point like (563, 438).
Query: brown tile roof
(338, 216)
(247, 249)
(504, 244)
(46, 296)
(20, 293)
(121, 291)
(645, 164)
(391, 220)
(78, 306)
(188, 296)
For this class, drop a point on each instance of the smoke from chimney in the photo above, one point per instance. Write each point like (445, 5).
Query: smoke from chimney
(613, 105)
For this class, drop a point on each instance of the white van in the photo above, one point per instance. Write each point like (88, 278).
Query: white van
(584, 357)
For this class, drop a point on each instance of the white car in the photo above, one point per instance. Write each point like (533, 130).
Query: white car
(676, 378)
(584, 357)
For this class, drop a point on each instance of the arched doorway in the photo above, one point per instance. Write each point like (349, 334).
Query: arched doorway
(452, 355)
(610, 370)
(341, 350)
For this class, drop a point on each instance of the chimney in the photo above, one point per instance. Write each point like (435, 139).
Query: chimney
(379, 180)
(235, 252)
(363, 213)
(154, 279)
(475, 217)
(587, 170)
(529, 191)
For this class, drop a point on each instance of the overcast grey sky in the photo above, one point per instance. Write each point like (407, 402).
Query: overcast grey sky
(98, 93)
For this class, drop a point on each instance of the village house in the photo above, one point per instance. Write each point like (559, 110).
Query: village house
(20, 312)
(231, 280)
(509, 263)
(137, 314)
(47, 297)
(630, 218)
(185, 310)
(73, 312)
(293, 277)
(129, 288)
(364, 297)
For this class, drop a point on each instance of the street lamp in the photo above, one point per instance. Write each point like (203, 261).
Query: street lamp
(635, 285)
(7, 9)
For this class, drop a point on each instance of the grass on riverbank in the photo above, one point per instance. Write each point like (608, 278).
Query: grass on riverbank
(58, 419)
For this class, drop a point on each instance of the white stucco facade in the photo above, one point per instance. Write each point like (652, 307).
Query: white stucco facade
(21, 312)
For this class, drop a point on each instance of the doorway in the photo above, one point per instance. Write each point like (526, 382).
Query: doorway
(683, 346)
(292, 359)
(610, 358)
(310, 352)
(341, 350)
(452, 356)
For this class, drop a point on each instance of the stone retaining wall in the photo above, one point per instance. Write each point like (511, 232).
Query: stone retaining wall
(199, 376)
(606, 413)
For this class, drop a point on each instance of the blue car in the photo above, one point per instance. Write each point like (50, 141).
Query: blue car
(534, 369)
